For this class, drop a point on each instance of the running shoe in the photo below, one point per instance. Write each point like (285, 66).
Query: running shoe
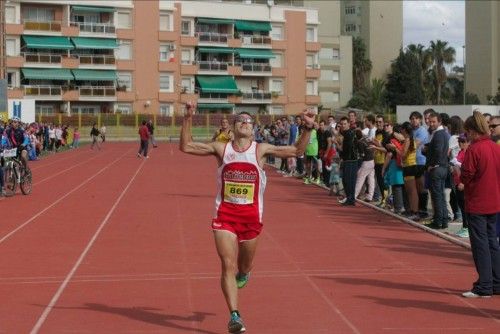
(307, 181)
(242, 280)
(462, 233)
(235, 324)
(471, 294)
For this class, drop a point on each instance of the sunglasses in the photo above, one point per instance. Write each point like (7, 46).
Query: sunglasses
(492, 126)
(244, 119)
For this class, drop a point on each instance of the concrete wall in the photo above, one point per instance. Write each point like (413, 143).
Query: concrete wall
(464, 111)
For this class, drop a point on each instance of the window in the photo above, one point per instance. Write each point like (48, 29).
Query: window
(277, 61)
(124, 51)
(125, 79)
(124, 108)
(124, 20)
(277, 86)
(10, 14)
(311, 61)
(326, 53)
(166, 84)
(38, 14)
(350, 27)
(12, 78)
(165, 21)
(336, 75)
(186, 84)
(277, 110)
(326, 75)
(166, 109)
(44, 109)
(277, 32)
(10, 47)
(350, 10)
(335, 53)
(186, 57)
(311, 88)
(186, 28)
(165, 52)
(311, 34)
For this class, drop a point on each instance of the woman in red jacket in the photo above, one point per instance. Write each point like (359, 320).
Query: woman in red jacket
(481, 178)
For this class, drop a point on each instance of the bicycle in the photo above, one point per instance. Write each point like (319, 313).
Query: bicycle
(15, 173)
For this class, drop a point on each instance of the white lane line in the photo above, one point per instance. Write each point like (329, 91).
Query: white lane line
(59, 291)
(65, 170)
(11, 233)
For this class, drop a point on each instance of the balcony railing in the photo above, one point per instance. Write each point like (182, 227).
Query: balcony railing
(42, 58)
(256, 96)
(259, 40)
(213, 97)
(97, 91)
(212, 37)
(97, 60)
(212, 66)
(255, 67)
(97, 28)
(45, 90)
(42, 25)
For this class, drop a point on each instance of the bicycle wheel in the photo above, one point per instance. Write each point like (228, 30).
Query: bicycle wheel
(26, 181)
(10, 182)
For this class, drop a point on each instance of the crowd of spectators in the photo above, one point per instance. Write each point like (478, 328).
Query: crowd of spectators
(412, 169)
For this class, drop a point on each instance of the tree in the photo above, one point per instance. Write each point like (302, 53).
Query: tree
(371, 98)
(404, 83)
(471, 98)
(361, 65)
(495, 100)
(441, 54)
(425, 61)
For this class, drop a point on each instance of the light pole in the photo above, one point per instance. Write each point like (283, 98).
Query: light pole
(463, 63)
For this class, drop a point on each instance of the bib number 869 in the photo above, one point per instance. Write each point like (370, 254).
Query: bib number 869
(238, 191)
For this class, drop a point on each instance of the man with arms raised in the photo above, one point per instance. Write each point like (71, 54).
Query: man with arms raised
(241, 183)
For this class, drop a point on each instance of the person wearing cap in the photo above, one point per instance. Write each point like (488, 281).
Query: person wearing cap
(241, 182)
(17, 138)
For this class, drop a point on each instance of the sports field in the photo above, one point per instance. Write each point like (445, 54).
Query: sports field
(110, 243)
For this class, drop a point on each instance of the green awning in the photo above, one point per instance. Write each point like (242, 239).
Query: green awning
(48, 42)
(94, 75)
(93, 9)
(252, 25)
(216, 50)
(214, 21)
(47, 73)
(217, 84)
(212, 106)
(255, 54)
(94, 43)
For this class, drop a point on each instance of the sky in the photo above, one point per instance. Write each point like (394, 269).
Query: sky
(425, 21)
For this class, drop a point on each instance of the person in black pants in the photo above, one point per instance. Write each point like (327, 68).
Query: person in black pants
(349, 156)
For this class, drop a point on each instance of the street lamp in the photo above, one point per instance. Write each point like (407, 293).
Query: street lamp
(463, 63)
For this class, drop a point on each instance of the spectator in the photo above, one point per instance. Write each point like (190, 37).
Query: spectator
(437, 167)
(324, 143)
(421, 137)
(76, 138)
(409, 162)
(352, 119)
(392, 170)
(311, 156)
(94, 135)
(151, 129)
(144, 138)
(349, 156)
(463, 142)
(369, 130)
(224, 134)
(495, 129)
(366, 172)
(379, 157)
(481, 177)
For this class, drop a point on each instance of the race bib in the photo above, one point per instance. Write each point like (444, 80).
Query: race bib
(238, 193)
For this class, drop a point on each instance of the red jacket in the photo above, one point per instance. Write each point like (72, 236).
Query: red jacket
(144, 132)
(481, 177)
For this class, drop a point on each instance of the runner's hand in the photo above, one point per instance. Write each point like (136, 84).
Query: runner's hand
(309, 115)
(190, 109)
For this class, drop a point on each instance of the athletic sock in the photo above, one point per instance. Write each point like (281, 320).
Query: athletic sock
(235, 311)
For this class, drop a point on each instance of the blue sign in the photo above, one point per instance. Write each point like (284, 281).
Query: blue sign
(16, 109)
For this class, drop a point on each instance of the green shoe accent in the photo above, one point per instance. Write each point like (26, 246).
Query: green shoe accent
(307, 181)
(242, 280)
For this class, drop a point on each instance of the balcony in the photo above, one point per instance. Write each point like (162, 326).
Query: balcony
(256, 97)
(98, 60)
(97, 91)
(256, 68)
(212, 66)
(42, 58)
(95, 28)
(54, 26)
(212, 97)
(212, 37)
(43, 90)
(256, 41)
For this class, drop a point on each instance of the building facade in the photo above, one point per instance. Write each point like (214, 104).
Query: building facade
(380, 25)
(152, 56)
(482, 48)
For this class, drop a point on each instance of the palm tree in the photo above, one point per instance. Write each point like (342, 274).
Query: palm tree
(425, 60)
(360, 64)
(441, 54)
(371, 98)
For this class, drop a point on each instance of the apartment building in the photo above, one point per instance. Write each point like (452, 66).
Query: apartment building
(380, 25)
(152, 56)
(482, 48)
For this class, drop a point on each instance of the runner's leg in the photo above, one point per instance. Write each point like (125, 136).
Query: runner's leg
(227, 249)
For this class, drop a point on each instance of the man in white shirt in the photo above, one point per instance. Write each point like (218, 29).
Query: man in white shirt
(369, 130)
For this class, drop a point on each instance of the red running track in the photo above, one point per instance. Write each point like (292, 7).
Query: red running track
(109, 243)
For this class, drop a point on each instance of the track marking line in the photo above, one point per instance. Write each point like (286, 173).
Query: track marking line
(11, 233)
(59, 291)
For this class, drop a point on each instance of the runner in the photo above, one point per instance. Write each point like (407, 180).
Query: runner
(239, 203)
